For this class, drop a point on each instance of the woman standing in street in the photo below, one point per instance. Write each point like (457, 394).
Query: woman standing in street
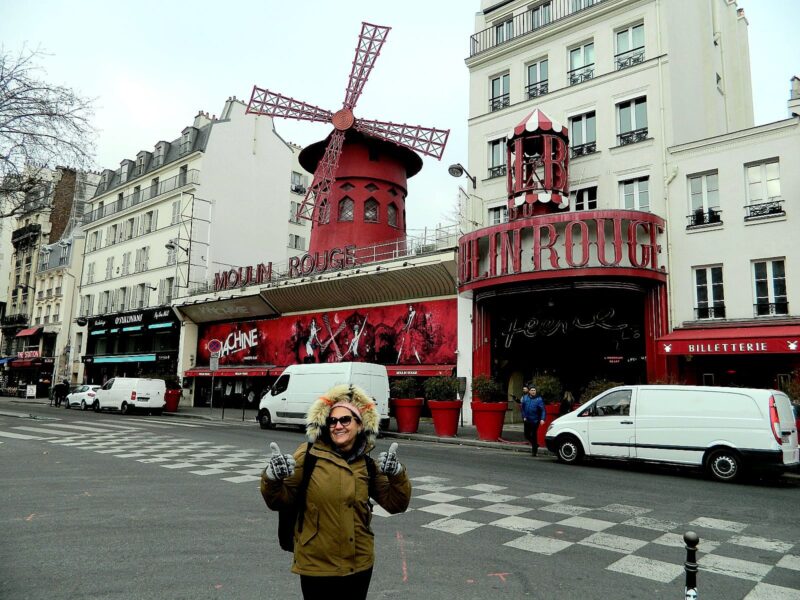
(333, 540)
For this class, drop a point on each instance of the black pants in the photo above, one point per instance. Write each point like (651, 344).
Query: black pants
(352, 587)
(531, 429)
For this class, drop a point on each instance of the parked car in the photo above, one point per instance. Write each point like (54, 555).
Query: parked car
(723, 430)
(129, 394)
(84, 396)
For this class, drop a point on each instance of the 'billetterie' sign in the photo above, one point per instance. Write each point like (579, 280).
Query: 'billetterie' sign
(299, 266)
(600, 239)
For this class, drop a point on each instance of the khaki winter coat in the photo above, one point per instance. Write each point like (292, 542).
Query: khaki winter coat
(337, 538)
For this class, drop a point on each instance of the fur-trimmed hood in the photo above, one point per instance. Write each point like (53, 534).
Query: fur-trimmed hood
(321, 409)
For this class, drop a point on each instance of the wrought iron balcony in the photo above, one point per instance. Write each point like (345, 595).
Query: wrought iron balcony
(704, 217)
(18, 319)
(298, 189)
(134, 198)
(28, 234)
(623, 60)
(710, 312)
(536, 89)
(632, 137)
(581, 74)
(584, 149)
(763, 309)
(537, 17)
(499, 102)
(497, 171)
(763, 210)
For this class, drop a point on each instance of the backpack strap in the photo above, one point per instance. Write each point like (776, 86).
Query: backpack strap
(300, 501)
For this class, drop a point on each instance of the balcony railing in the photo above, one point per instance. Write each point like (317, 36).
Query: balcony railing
(710, 312)
(536, 89)
(581, 74)
(57, 292)
(148, 193)
(298, 188)
(541, 15)
(762, 210)
(763, 309)
(25, 234)
(40, 295)
(499, 102)
(632, 137)
(623, 60)
(15, 319)
(584, 149)
(704, 217)
(497, 171)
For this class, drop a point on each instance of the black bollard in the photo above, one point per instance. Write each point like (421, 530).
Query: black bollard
(690, 566)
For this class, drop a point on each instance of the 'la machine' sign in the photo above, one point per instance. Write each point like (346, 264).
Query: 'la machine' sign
(299, 266)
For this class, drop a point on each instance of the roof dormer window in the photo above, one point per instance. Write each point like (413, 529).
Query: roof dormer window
(161, 152)
(187, 140)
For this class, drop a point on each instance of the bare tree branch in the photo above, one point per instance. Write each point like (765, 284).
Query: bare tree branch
(41, 126)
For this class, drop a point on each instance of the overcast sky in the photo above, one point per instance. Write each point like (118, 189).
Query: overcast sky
(153, 64)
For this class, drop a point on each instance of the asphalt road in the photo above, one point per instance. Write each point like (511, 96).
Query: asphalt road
(107, 506)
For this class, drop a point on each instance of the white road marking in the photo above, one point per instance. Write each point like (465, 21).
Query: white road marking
(493, 497)
(79, 428)
(615, 543)
(710, 523)
(519, 524)
(587, 523)
(484, 487)
(734, 567)
(439, 497)
(19, 436)
(444, 509)
(506, 509)
(552, 498)
(675, 540)
(761, 543)
(790, 561)
(241, 479)
(653, 524)
(538, 544)
(47, 431)
(626, 509)
(766, 591)
(453, 526)
(565, 509)
(646, 568)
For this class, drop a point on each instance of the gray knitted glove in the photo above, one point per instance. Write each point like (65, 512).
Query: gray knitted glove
(279, 466)
(388, 463)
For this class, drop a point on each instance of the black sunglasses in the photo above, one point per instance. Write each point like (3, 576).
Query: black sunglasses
(345, 421)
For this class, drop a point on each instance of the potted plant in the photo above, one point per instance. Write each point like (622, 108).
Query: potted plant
(442, 396)
(488, 407)
(406, 405)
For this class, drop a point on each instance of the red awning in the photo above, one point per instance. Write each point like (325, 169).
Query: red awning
(26, 332)
(229, 372)
(419, 370)
(763, 339)
(22, 364)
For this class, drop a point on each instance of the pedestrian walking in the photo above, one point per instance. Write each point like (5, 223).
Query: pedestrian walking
(533, 415)
(566, 403)
(60, 392)
(333, 541)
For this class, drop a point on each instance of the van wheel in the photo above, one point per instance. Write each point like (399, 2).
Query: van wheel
(125, 409)
(83, 405)
(569, 450)
(96, 406)
(265, 420)
(724, 465)
(156, 412)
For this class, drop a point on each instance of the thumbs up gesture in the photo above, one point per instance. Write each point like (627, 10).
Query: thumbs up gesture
(279, 466)
(388, 463)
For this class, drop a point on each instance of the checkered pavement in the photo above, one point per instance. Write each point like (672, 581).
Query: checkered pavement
(632, 540)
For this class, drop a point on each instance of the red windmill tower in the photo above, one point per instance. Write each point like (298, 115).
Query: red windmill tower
(361, 169)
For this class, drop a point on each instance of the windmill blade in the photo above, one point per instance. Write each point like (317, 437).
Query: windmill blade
(264, 102)
(369, 47)
(427, 140)
(320, 188)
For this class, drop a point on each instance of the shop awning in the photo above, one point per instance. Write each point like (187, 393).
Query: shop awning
(229, 372)
(23, 364)
(763, 339)
(29, 331)
(420, 370)
(4, 361)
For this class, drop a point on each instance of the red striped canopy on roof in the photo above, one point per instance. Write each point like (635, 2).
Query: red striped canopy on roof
(538, 121)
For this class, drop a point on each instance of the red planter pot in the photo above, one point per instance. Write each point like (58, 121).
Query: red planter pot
(172, 397)
(551, 412)
(445, 415)
(488, 418)
(406, 413)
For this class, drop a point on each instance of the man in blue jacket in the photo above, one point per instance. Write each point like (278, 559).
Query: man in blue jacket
(533, 415)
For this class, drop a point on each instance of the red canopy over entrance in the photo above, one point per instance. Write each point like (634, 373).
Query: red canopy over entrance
(776, 339)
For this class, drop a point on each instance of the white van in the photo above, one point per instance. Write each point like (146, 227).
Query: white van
(127, 394)
(723, 430)
(287, 402)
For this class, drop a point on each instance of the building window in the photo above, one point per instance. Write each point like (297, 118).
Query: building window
(504, 31)
(126, 263)
(541, 15)
(585, 199)
(324, 212)
(537, 79)
(704, 199)
(763, 189)
(769, 286)
(632, 118)
(122, 299)
(498, 214)
(141, 259)
(165, 290)
(581, 4)
(109, 267)
(172, 256)
(294, 207)
(140, 301)
(128, 230)
(391, 214)
(112, 235)
(186, 142)
(94, 241)
(64, 254)
(102, 302)
(137, 194)
(296, 242)
(140, 165)
(497, 164)
(371, 211)
(346, 209)
(499, 92)
(630, 47)
(581, 63)
(182, 175)
(583, 134)
(635, 194)
(297, 183)
(154, 187)
(176, 212)
(90, 273)
(149, 224)
(57, 313)
(709, 293)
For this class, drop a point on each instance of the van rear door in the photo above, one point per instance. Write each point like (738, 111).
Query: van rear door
(788, 429)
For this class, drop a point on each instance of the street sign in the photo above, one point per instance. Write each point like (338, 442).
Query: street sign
(214, 346)
(213, 364)
(30, 391)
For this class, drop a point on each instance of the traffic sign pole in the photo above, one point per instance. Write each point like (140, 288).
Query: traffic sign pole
(213, 366)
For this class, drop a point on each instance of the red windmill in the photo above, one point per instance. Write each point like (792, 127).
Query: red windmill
(361, 170)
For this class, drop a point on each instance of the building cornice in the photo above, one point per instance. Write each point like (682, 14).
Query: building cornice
(783, 127)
